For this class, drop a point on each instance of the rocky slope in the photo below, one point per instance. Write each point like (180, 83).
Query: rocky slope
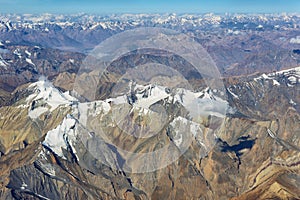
(24, 64)
(247, 147)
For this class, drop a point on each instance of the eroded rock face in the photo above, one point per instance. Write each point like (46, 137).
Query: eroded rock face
(254, 152)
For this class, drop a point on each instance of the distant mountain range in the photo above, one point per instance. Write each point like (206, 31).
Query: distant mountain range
(238, 138)
(239, 44)
(82, 32)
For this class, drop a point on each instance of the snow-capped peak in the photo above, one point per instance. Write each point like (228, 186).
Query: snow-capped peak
(46, 98)
(197, 103)
(149, 95)
(289, 77)
(202, 103)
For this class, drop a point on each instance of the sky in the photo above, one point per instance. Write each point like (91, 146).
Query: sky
(149, 6)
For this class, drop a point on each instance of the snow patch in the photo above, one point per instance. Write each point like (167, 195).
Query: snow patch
(260, 26)
(155, 94)
(202, 103)
(27, 53)
(292, 102)
(17, 52)
(271, 134)
(28, 60)
(118, 100)
(34, 114)
(275, 82)
(23, 186)
(92, 109)
(3, 63)
(233, 94)
(194, 128)
(56, 138)
(292, 79)
(295, 40)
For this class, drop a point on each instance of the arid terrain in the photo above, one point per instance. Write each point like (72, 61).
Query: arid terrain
(237, 137)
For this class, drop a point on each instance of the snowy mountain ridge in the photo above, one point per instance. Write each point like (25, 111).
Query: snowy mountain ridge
(290, 77)
(46, 98)
(46, 22)
(140, 99)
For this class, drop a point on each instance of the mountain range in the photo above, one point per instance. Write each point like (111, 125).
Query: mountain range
(155, 138)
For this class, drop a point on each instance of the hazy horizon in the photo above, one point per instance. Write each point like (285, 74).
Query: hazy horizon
(153, 6)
